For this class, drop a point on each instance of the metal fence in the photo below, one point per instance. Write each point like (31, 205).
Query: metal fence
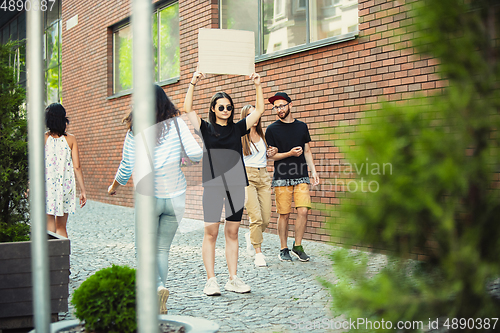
(143, 106)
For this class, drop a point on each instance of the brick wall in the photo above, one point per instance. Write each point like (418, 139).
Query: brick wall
(330, 86)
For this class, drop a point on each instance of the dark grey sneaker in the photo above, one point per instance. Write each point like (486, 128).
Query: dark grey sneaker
(298, 251)
(285, 255)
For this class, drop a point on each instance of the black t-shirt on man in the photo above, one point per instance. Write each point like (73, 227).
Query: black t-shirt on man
(285, 136)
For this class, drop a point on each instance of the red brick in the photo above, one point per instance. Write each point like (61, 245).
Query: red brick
(330, 86)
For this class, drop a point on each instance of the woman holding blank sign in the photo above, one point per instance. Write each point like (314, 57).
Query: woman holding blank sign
(224, 177)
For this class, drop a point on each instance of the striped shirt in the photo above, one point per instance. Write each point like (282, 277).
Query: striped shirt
(169, 178)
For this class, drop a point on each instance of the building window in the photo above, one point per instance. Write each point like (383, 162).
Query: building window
(241, 15)
(165, 32)
(122, 59)
(301, 4)
(52, 54)
(167, 44)
(279, 8)
(287, 26)
(15, 30)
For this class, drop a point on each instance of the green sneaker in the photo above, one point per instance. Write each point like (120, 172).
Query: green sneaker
(298, 251)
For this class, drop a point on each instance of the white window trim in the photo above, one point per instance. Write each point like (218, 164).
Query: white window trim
(278, 15)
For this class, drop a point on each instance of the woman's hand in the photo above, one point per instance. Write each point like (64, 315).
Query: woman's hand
(197, 76)
(255, 78)
(83, 199)
(271, 151)
(112, 188)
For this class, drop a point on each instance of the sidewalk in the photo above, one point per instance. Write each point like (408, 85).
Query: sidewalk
(283, 294)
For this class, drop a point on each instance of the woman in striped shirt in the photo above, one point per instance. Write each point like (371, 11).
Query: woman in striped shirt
(170, 183)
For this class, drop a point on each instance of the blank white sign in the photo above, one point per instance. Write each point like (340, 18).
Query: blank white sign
(225, 51)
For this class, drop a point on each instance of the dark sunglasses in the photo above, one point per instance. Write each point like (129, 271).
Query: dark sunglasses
(229, 108)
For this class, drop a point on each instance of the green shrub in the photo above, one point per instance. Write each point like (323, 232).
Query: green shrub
(441, 198)
(13, 153)
(106, 300)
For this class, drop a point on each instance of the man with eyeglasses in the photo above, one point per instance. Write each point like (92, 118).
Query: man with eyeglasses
(291, 174)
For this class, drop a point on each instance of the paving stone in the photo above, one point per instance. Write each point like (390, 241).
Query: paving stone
(103, 234)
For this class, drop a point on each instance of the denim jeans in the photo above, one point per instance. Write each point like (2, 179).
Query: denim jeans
(169, 213)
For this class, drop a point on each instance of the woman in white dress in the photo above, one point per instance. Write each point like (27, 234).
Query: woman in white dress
(62, 162)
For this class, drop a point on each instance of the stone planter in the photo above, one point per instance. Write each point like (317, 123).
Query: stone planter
(16, 292)
(191, 324)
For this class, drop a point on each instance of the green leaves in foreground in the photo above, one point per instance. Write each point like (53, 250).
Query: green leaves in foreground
(106, 301)
(441, 198)
(13, 152)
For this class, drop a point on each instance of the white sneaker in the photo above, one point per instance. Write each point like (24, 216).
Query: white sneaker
(260, 260)
(250, 249)
(237, 285)
(162, 299)
(212, 287)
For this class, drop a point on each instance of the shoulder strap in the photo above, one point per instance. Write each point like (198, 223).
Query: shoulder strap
(179, 134)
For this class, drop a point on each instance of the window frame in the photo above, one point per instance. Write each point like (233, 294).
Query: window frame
(47, 68)
(295, 49)
(158, 6)
(298, 7)
(278, 14)
(157, 9)
(119, 26)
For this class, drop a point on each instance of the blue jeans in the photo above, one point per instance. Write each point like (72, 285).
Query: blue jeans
(169, 213)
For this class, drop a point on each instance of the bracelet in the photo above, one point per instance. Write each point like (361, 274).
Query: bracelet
(192, 83)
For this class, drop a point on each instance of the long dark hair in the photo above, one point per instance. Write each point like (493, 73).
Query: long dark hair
(211, 114)
(165, 109)
(245, 140)
(55, 119)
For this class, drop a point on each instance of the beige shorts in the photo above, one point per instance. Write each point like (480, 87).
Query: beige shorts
(284, 194)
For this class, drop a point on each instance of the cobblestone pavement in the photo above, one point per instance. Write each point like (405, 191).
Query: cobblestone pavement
(283, 294)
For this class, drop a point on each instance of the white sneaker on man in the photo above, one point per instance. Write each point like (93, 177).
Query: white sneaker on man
(250, 249)
(212, 287)
(237, 285)
(260, 260)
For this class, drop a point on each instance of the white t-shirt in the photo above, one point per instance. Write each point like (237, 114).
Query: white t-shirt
(258, 159)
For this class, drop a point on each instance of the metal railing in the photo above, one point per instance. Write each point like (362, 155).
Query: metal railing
(144, 118)
(143, 106)
(36, 162)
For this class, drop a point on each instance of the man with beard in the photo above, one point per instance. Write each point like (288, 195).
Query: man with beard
(291, 174)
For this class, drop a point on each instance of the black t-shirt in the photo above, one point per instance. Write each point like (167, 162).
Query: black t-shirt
(226, 153)
(285, 136)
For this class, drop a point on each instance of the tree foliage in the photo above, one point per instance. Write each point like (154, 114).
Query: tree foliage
(13, 153)
(442, 199)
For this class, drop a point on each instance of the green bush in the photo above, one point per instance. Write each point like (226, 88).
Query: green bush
(13, 153)
(106, 301)
(442, 197)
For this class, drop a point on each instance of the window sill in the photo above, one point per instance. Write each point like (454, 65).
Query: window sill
(120, 94)
(306, 47)
(130, 91)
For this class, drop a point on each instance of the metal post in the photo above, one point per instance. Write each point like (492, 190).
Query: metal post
(143, 121)
(39, 245)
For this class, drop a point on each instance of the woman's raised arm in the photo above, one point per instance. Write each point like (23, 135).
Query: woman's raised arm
(259, 101)
(188, 101)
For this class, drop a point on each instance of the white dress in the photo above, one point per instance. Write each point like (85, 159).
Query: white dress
(59, 177)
